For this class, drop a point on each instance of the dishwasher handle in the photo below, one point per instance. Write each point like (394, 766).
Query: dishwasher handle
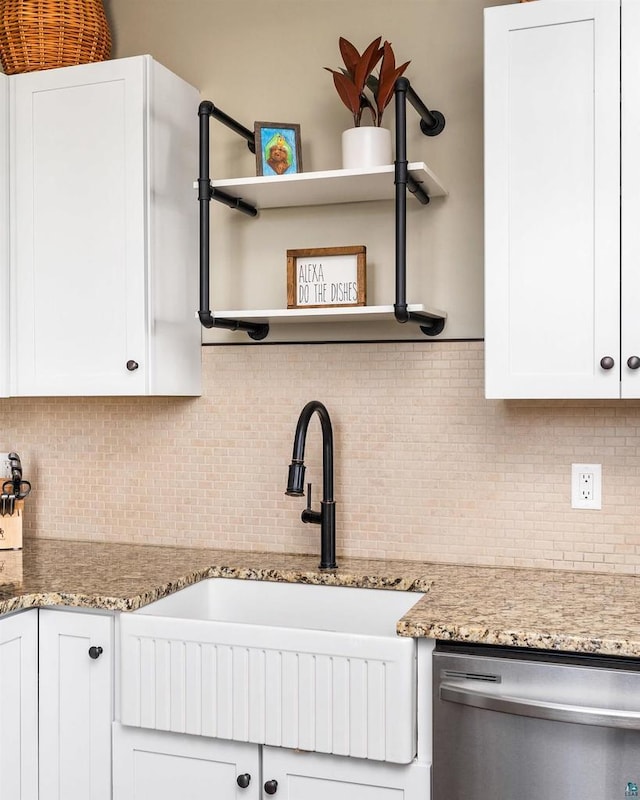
(540, 709)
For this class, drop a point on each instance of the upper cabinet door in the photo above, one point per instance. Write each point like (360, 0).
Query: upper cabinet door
(630, 234)
(4, 235)
(104, 266)
(552, 200)
(78, 150)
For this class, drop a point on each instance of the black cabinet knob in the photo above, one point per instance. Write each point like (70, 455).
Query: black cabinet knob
(607, 362)
(633, 362)
(132, 365)
(243, 780)
(95, 652)
(271, 787)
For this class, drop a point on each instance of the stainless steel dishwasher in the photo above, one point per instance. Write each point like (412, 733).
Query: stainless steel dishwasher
(525, 725)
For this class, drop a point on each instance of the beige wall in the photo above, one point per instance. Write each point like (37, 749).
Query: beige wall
(264, 61)
(425, 467)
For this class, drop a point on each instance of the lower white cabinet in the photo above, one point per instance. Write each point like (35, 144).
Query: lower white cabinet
(75, 705)
(166, 766)
(56, 705)
(19, 706)
(59, 741)
(298, 775)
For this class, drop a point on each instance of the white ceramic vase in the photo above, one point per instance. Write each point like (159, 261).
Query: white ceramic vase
(366, 147)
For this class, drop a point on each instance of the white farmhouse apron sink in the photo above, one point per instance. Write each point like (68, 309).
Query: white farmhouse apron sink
(309, 667)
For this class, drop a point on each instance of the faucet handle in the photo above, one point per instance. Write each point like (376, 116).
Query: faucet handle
(309, 515)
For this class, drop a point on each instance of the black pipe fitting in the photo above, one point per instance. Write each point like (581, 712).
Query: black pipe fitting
(206, 193)
(432, 122)
(430, 325)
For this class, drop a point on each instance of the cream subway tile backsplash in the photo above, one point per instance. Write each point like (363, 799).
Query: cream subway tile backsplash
(426, 468)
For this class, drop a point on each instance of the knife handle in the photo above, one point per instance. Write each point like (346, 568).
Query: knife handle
(16, 466)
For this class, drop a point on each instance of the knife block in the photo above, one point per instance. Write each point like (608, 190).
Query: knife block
(11, 528)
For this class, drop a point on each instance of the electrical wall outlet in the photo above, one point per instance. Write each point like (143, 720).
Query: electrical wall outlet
(5, 466)
(586, 486)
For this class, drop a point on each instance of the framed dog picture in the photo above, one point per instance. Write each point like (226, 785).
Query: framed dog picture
(278, 149)
(327, 277)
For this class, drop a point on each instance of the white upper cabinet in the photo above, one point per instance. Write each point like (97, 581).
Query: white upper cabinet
(4, 235)
(630, 233)
(104, 253)
(552, 200)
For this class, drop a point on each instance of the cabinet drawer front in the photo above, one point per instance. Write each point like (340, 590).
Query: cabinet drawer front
(245, 683)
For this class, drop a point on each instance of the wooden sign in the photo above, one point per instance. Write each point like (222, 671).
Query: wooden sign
(327, 277)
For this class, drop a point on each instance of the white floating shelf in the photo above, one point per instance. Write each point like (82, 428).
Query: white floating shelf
(328, 187)
(316, 315)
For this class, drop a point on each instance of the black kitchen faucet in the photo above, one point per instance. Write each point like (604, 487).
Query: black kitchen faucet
(326, 517)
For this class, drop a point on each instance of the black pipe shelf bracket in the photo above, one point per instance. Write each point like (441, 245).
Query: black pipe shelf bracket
(206, 193)
(431, 124)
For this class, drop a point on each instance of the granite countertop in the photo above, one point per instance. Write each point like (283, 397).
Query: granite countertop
(123, 577)
(545, 609)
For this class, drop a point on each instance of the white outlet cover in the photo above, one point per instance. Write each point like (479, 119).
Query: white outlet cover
(577, 485)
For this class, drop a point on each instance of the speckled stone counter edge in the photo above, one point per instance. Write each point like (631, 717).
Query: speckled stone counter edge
(542, 609)
(105, 602)
(538, 640)
(124, 577)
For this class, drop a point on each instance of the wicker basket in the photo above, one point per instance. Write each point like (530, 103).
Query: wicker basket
(43, 34)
